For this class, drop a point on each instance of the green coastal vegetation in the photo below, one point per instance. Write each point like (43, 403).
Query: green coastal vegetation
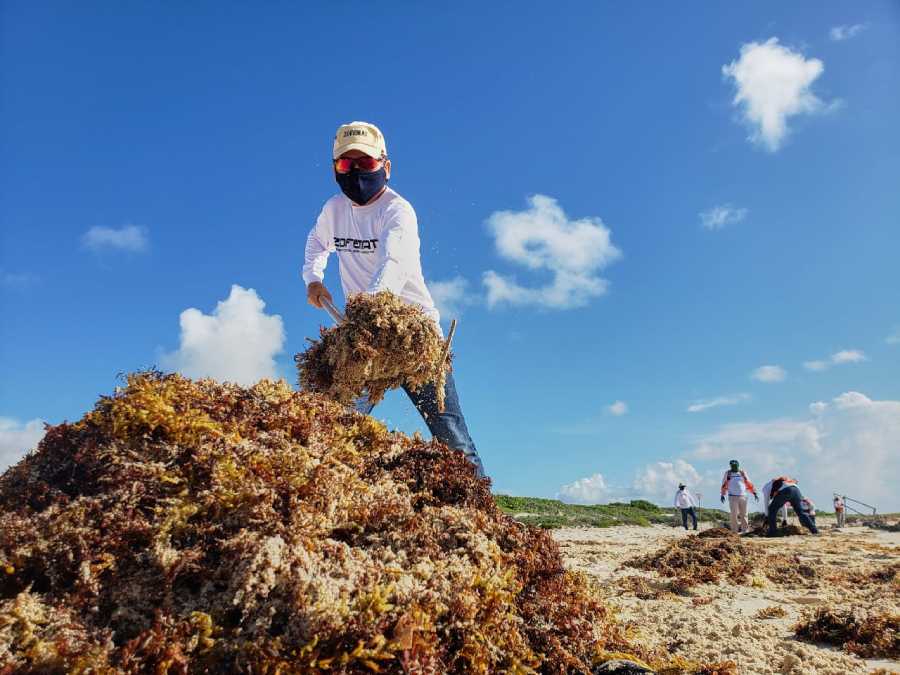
(552, 513)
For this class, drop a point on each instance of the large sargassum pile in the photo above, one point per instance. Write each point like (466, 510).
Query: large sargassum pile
(190, 526)
(382, 343)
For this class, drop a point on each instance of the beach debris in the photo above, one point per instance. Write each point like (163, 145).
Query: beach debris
(714, 532)
(869, 635)
(621, 667)
(192, 526)
(771, 612)
(383, 343)
(697, 560)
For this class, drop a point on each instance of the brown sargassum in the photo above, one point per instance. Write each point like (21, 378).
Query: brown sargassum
(870, 635)
(191, 526)
(383, 343)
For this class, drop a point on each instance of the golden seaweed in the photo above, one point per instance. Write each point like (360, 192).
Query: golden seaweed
(383, 343)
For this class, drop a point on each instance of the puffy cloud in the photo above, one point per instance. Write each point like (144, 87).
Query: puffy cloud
(451, 295)
(590, 490)
(16, 439)
(658, 481)
(618, 408)
(128, 238)
(845, 32)
(769, 374)
(848, 445)
(706, 404)
(773, 84)
(237, 342)
(838, 358)
(719, 216)
(848, 356)
(542, 237)
(780, 436)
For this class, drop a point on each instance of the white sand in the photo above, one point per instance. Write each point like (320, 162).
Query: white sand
(726, 628)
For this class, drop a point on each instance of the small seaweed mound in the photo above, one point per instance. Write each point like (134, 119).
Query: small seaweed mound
(697, 560)
(714, 532)
(382, 343)
(187, 527)
(868, 635)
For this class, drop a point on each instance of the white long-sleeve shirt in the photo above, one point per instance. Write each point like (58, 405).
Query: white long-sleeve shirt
(684, 499)
(377, 247)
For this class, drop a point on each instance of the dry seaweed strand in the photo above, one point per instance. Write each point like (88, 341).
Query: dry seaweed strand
(869, 635)
(382, 343)
(192, 526)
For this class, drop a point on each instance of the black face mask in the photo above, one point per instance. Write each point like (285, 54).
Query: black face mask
(360, 186)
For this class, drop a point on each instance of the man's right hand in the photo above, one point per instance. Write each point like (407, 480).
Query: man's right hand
(316, 293)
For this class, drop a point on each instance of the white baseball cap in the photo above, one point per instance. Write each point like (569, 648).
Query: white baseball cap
(359, 136)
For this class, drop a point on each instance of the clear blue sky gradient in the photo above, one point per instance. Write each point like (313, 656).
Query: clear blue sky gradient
(211, 125)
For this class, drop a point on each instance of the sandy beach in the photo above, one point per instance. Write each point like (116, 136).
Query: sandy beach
(714, 622)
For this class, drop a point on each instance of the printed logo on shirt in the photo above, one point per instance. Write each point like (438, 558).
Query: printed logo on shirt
(351, 245)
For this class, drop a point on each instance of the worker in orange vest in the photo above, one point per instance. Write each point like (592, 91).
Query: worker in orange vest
(736, 484)
(780, 491)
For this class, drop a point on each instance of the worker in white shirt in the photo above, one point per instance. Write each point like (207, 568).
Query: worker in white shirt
(685, 501)
(375, 233)
(736, 484)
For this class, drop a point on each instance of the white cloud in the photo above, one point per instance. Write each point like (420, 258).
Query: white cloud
(451, 295)
(769, 374)
(658, 481)
(618, 408)
(848, 356)
(590, 490)
(719, 216)
(16, 439)
(543, 238)
(128, 238)
(845, 32)
(848, 445)
(773, 84)
(237, 342)
(706, 404)
(838, 358)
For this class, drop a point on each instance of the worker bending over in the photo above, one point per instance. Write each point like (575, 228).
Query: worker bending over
(780, 491)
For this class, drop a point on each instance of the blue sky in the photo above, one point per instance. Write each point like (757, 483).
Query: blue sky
(154, 158)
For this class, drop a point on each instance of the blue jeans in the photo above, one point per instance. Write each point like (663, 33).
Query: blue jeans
(791, 494)
(449, 426)
(688, 512)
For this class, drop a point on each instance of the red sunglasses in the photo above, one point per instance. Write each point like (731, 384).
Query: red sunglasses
(364, 163)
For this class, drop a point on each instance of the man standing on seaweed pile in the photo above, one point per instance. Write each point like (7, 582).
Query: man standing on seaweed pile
(736, 484)
(375, 234)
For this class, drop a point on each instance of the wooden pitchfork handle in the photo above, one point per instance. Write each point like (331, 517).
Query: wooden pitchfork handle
(446, 350)
(332, 310)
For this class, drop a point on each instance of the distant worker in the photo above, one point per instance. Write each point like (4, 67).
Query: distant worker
(685, 501)
(839, 510)
(778, 492)
(736, 484)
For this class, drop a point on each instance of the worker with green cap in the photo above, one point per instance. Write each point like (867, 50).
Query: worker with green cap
(736, 484)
